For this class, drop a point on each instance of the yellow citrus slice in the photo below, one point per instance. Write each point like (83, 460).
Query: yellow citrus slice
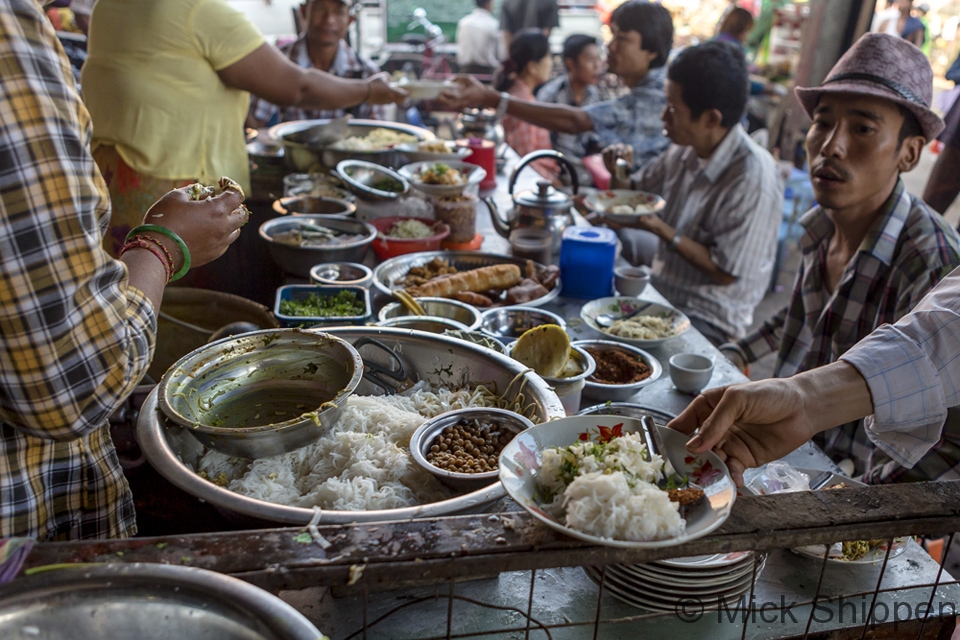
(545, 349)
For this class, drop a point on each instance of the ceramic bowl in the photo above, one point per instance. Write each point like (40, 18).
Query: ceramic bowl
(618, 392)
(690, 372)
(630, 280)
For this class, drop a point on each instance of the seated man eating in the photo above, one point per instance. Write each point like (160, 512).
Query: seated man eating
(642, 37)
(717, 237)
(871, 250)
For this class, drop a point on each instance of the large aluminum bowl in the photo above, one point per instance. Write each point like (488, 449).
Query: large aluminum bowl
(305, 157)
(462, 312)
(432, 357)
(299, 260)
(234, 381)
(146, 602)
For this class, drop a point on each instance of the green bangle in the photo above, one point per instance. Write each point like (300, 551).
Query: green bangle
(155, 228)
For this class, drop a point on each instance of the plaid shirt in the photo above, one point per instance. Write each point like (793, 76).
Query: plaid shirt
(904, 254)
(346, 64)
(524, 137)
(559, 91)
(634, 119)
(75, 338)
(730, 203)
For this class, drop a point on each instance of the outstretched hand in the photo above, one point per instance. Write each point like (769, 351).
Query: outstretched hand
(382, 92)
(749, 424)
(468, 92)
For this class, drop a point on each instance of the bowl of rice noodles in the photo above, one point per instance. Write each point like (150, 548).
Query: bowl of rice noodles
(362, 470)
(371, 140)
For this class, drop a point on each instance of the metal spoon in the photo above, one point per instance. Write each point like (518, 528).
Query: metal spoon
(606, 320)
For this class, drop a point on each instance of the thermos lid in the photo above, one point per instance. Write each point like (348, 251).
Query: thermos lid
(590, 235)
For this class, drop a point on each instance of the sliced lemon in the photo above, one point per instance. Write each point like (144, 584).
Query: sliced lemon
(545, 349)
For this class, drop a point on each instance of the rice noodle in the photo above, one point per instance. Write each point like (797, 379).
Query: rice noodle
(363, 463)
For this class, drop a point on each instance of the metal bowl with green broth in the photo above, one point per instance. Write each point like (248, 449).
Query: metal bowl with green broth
(263, 393)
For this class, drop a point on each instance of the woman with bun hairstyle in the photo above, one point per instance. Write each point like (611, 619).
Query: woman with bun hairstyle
(530, 65)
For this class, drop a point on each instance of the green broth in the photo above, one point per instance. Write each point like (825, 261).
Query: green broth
(266, 404)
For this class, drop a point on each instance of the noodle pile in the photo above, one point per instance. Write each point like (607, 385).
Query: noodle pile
(643, 328)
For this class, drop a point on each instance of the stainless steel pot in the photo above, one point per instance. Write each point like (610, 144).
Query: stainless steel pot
(546, 208)
(146, 602)
(175, 452)
(301, 156)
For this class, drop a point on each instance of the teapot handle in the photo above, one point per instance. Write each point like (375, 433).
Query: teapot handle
(565, 164)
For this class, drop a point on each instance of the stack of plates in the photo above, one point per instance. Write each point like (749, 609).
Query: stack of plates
(664, 585)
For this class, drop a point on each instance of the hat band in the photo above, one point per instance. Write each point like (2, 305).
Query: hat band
(896, 87)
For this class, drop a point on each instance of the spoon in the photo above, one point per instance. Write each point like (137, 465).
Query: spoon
(606, 320)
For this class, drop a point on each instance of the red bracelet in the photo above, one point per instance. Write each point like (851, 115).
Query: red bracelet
(141, 244)
(170, 261)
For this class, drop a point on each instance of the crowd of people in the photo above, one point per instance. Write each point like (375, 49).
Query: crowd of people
(98, 219)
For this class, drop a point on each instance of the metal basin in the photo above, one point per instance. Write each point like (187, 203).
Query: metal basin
(435, 358)
(262, 393)
(146, 602)
(313, 205)
(299, 260)
(304, 157)
(440, 307)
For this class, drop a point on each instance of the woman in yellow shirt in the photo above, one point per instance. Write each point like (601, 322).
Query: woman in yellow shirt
(167, 87)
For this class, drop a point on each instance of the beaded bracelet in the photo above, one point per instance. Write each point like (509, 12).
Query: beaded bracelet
(147, 228)
(142, 244)
(166, 252)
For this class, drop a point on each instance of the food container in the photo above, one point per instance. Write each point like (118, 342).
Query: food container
(431, 324)
(483, 154)
(462, 312)
(304, 157)
(146, 602)
(460, 214)
(532, 244)
(470, 174)
(478, 338)
(423, 438)
(321, 185)
(618, 392)
(587, 255)
(342, 274)
(570, 389)
(299, 260)
(286, 387)
(313, 205)
(175, 453)
(369, 181)
(509, 323)
(386, 247)
(298, 292)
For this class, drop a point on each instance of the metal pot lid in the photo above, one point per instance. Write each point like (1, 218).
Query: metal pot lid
(544, 197)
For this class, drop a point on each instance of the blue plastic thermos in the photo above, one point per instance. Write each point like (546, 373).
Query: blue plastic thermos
(587, 255)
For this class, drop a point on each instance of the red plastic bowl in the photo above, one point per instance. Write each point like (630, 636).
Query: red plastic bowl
(386, 247)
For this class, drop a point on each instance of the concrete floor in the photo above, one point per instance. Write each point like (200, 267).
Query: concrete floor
(776, 300)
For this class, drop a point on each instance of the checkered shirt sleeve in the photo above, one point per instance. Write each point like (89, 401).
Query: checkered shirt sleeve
(75, 338)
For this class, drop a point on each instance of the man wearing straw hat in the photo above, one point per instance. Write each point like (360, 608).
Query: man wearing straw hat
(871, 252)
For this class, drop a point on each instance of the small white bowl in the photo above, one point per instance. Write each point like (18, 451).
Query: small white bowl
(631, 281)
(342, 274)
(690, 372)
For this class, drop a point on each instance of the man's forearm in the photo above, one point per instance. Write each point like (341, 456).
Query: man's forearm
(834, 394)
(553, 117)
(695, 253)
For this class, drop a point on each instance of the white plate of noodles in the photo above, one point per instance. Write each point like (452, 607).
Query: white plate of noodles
(655, 325)
(596, 502)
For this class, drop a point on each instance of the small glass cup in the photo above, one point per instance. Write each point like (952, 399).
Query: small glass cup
(532, 244)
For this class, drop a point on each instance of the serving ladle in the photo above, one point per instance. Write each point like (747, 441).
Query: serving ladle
(606, 320)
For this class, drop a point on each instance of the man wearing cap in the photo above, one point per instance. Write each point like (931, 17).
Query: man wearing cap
(322, 45)
(871, 250)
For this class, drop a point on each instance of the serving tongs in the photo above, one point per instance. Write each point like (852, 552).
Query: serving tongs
(322, 135)
(392, 378)
(655, 446)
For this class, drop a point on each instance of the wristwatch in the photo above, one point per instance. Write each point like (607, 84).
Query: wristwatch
(502, 105)
(675, 240)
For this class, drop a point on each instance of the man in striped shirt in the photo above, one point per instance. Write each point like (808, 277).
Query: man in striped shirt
(717, 235)
(871, 250)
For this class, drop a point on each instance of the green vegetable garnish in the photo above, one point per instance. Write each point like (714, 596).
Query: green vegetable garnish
(388, 184)
(343, 304)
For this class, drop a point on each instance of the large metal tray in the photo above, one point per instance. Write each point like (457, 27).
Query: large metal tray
(436, 358)
(389, 271)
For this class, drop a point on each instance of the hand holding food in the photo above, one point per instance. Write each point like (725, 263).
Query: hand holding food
(207, 219)
(469, 92)
(614, 152)
(380, 91)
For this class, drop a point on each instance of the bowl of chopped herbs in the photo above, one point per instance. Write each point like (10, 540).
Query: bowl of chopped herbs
(307, 305)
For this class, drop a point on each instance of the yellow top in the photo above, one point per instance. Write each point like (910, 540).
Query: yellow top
(151, 85)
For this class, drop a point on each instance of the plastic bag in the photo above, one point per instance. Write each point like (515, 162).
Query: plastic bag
(777, 477)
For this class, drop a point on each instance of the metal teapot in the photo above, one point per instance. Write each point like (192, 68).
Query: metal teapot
(545, 208)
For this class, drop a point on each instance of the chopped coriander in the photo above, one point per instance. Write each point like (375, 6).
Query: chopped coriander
(344, 304)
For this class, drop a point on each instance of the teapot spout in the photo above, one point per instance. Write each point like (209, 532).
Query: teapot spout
(502, 226)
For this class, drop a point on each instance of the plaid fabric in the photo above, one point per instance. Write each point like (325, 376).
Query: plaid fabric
(904, 254)
(633, 119)
(525, 138)
(559, 91)
(74, 337)
(347, 64)
(731, 204)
